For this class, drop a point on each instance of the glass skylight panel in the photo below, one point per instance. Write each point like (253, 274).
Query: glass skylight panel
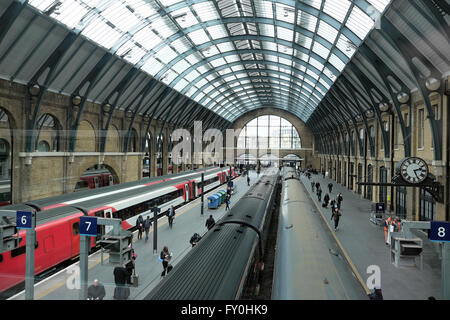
(206, 11)
(152, 66)
(70, 13)
(285, 13)
(269, 45)
(99, 31)
(210, 51)
(120, 16)
(225, 47)
(141, 8)
(130, 52)
(266, 30)
(181, 45)
(346, 46)
(232, 58)
(312, 74)
(359, 22)
(168, 77)
(285, 61)
(203, 69)
(316, 64)
(201, 83)
(164, 27)
(211, 77)
(337, 8)
(199, 96)
(303, 40)
(229, 78)
(217, 32)
(181, 85)
(184, 17)
(320, 50)
(166, 54)
(327, 32)
(198, 37)
(218, 62)
(193, 58)
(264, 9)
(191, 76)
(147, 38)
(307, 21)
(379, 5)
(214, 94)
(324, 83)
(285, 34)
(336, 62)
(167, 3)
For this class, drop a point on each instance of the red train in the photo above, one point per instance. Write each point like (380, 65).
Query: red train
(57, 230)
(95, 179)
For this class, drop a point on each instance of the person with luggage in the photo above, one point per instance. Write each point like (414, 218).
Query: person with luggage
(121, 276)
(165, 257)
(147, 225)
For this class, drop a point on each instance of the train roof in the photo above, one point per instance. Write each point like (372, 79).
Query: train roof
(213, 269)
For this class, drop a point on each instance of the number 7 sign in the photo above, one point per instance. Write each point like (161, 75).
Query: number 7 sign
(88, 226)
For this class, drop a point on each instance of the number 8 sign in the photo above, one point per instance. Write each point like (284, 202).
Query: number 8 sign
(88, 226)
(439, 231)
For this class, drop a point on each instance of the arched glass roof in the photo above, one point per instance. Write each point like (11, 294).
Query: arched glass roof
(231, 56)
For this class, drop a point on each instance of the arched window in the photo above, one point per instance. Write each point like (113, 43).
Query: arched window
(43, 146)
(269, 132)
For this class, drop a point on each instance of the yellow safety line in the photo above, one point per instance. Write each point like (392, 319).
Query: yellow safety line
(59, 284)
(347, 257)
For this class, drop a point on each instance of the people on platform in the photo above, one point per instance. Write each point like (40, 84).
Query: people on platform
(140, 226)
(330, 187)
(336, 215)
(248, 179)
(210, 222)
(326, 199)
(96, 291)
(339, 200)
(376, 294)
(147, 225)
(171, 216)
(195, 239)
(227, 202)
(319, 193)
(165, 257)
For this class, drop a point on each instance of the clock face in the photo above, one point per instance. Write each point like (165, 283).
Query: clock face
(414, 170)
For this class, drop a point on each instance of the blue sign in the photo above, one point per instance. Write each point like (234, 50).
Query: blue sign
(440, 231)
(88, 226)
(23, 220)
(380, 207)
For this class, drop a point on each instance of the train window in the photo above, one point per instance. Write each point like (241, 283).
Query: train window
(99, 213)
(108, 214)
(18, 251)
(1, 257)
(116, 215)
(76, 228)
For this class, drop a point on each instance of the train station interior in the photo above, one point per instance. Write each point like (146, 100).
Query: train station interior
(315, 133)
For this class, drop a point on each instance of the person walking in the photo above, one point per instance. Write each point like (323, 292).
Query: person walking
(210, 222)
(339, 200)
(227, 202)
(140, 226)
(195, 239)
(317, 185)
(171, 216)
(326, 199)
(312, 185)
(330, 187)
(147, 225)
(96, 291)
(336, 214)
(248, 179)
(165, 257)
(319, 194)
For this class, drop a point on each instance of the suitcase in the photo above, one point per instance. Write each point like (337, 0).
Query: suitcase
(121, 293)
(135, 280)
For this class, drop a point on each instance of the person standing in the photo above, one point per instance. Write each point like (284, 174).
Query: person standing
(140, 226)
(147, 225)
(319, 194)
(336, 214)
(317, 185)
(171, 216)
(248, 179)
(312, 185)
(339, 200)
(210, 222)
(227, 202)
(326, 199)
(165, 257)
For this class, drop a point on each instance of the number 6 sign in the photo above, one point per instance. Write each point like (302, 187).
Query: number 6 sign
(23, 220)
(88, 226)
(439, 231)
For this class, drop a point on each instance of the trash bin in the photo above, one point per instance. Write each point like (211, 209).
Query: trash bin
(223, 195)
(214, 201)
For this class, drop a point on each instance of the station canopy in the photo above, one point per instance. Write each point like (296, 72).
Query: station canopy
(231, 56)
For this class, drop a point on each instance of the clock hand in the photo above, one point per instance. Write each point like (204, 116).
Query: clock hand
(416, 172)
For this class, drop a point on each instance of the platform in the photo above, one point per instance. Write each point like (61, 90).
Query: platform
(363, 241)
(188, 220)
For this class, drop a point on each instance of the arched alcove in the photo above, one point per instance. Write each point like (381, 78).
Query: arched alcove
(86, 137)
(113, 140)
(97, 176)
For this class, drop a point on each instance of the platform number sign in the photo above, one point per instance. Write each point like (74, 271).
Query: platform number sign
(23, 220)
(439, 231)
(88, 226)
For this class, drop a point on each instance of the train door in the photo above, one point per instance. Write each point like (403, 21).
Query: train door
(111, 180)
(100, 228)
(96, 182)
(194, 190)
(186, 192)
(75, 233)
(108, 215)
